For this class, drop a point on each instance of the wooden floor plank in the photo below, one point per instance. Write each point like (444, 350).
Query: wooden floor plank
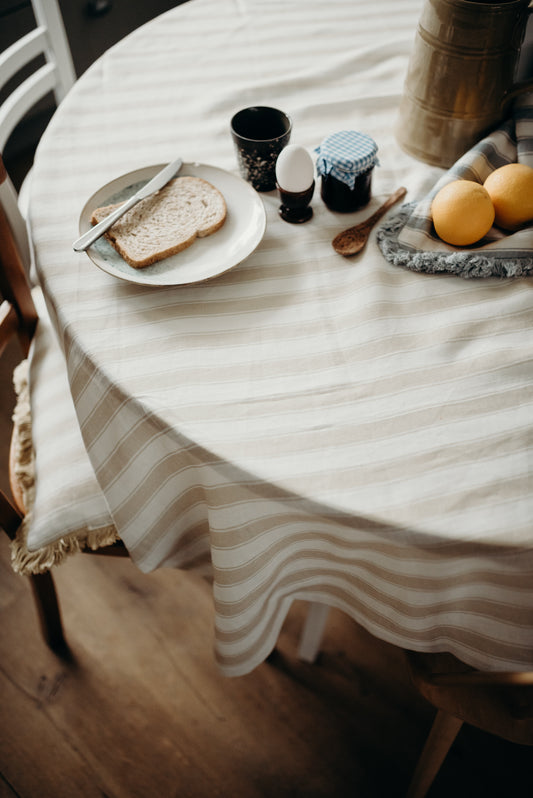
(36, 756)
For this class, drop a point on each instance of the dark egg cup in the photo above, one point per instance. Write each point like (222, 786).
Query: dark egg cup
(295, 206)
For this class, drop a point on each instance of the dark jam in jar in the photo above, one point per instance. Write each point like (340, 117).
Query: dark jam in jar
(340, 197)
(345, 164)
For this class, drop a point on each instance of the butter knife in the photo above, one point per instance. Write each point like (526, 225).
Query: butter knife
(157, 182)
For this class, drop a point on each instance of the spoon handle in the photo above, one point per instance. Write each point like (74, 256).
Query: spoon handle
(381, 211)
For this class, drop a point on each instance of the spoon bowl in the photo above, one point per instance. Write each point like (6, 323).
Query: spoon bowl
(353, 240)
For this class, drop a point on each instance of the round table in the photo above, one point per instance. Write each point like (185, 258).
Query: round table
(303, 425)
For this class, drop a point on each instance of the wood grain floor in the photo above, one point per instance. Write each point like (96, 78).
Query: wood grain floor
(141, 711)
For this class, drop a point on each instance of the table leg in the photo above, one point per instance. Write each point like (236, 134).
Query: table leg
(313, 630)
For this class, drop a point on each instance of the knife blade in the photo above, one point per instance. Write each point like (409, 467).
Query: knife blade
(157, 182)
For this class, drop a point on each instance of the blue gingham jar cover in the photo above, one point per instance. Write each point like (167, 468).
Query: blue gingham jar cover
(345, 155)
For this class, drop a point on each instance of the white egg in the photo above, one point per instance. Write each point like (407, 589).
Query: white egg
(295, 170)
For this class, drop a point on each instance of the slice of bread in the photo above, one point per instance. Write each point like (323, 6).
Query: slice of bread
(165, 222)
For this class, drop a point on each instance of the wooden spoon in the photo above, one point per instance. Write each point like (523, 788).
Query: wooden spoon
(353, 240)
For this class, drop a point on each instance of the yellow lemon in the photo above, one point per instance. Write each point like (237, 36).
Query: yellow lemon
(462, 212)
(511, 191)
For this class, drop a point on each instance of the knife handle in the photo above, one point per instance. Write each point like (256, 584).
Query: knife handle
(99, 229)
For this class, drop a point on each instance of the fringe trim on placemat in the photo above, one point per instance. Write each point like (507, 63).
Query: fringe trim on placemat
(464, 264)
(23, 560)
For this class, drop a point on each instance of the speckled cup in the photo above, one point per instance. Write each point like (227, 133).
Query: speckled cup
(259, 134)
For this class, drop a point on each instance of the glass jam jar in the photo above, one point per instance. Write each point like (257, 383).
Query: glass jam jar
(345, 163)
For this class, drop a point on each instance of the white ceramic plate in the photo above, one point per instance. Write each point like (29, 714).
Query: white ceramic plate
(206, 257)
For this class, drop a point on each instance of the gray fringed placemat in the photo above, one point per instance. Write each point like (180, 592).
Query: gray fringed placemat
(408, 239)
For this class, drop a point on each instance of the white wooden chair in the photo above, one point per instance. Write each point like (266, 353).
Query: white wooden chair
(56, 506)
(48, 39)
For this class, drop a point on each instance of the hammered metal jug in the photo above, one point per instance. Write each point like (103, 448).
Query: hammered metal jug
(460, 81)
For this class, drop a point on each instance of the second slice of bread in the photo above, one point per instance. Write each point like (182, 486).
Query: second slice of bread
(166, 222)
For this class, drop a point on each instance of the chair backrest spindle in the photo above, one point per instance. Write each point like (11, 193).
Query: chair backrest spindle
(48, 16)
(48, 39)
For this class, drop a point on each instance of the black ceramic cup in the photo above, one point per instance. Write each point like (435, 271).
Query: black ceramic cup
(259, 134)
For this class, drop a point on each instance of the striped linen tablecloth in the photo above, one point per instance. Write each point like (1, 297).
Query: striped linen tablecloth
(303, 426)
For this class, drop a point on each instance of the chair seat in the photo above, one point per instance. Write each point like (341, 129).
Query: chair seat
(505, 710)
(65, 507)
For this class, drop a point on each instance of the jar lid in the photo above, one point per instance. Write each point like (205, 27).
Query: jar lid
(345, 155)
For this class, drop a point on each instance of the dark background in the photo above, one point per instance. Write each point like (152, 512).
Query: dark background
(92, 27)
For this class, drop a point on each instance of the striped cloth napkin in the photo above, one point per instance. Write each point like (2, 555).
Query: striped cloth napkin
(408, 238)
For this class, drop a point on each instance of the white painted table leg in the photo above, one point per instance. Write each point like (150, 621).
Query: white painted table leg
(313, 630)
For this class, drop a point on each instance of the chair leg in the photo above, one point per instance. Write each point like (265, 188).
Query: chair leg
(45, 596)
(443, 732)
(313, 630)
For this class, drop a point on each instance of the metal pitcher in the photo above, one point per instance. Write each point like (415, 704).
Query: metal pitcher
(461, 77)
